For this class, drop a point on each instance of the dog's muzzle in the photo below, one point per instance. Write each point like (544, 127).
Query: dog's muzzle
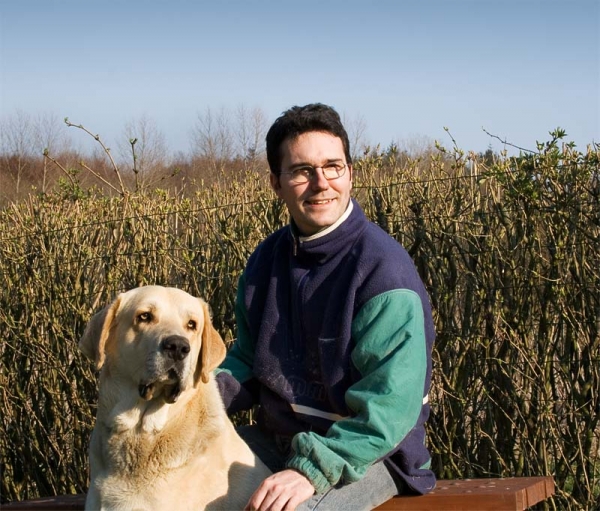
(175, 348)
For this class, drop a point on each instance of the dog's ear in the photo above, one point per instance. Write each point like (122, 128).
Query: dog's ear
(93, 340)
(213, 348)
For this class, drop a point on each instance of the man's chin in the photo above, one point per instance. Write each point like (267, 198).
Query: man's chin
(314, 227)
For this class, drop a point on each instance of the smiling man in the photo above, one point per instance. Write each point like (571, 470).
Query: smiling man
(315, 199)
(334, 338)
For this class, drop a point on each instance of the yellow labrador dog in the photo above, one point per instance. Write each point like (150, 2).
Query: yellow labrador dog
(162, 439)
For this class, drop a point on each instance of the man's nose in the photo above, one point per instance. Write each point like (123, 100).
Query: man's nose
(318, 181)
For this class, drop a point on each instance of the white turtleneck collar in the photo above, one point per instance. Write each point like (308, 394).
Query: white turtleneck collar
(332, 227)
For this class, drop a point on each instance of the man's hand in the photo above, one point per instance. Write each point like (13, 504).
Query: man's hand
(282, 491)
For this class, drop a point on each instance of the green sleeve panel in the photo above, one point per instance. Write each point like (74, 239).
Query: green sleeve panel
(240, 357)
(391, 355)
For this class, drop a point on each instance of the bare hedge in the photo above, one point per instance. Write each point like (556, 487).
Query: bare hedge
(509, 250)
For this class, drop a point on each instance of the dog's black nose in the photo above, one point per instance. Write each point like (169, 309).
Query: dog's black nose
(176, 347)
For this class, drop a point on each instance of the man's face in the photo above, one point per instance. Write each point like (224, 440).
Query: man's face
(319, 203)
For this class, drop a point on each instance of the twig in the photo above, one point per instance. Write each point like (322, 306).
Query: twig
(123, 191)
(66, 172)
(133, 141)
(105, 181)
(508, 143)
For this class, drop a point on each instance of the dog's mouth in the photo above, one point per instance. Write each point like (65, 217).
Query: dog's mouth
(167, 387)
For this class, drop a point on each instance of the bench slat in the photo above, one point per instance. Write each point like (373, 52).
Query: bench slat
(507, 494)
(59, 503)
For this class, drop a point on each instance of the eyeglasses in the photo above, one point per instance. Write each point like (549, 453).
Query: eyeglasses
(306, 173)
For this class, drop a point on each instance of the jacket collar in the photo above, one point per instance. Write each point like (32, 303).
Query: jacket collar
(330, 240)
(331, 228)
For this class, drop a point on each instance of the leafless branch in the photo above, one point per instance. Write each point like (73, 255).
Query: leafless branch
(505, 142)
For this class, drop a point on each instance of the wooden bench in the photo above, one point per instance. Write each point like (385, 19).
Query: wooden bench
(510, 494)
(507, 494)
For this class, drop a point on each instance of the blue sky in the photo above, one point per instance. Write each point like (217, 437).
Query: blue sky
(518, 68)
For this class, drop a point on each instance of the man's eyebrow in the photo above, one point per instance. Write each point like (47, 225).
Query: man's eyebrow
(300, 164)
(307, 164)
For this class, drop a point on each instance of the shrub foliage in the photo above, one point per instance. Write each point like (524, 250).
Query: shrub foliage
(507, 246)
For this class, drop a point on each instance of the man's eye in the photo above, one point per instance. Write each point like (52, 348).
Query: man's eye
(302, 171)
(144, 317)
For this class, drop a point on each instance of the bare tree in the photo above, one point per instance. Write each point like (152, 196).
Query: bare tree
(251, 129)
(417, 146)
(16, 149)
(143, 147)
(356, 127)
(50, 137)
(212, 137)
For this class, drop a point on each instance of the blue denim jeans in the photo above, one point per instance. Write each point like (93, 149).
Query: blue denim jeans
(373, 489)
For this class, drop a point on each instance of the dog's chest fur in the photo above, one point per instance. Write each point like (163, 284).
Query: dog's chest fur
(140, 453)
(140, 467)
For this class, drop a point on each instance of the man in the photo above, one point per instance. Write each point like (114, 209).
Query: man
(334, 337)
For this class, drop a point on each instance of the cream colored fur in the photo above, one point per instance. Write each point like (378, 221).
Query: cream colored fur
(162, 439)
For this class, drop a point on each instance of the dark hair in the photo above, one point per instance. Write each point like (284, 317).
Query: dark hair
(302, 119)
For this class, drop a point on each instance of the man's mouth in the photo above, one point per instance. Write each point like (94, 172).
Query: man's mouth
(320, 202)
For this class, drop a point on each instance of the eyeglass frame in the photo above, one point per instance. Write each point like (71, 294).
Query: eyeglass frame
(313, 171)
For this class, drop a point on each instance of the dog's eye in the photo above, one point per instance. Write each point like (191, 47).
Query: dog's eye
(144, 317)
(192, 324)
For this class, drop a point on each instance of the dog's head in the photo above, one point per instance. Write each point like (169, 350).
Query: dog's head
(161, 339)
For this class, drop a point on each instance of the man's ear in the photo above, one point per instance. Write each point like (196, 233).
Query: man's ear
(97, 331)
(213, 349)
(275, 183)
(350, 169)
